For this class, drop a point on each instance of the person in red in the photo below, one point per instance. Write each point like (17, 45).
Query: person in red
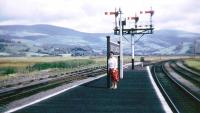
(113, 70)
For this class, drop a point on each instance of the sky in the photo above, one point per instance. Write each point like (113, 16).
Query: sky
(88, 15)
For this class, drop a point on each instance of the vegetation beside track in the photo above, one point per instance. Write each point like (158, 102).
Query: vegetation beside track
(193, 64)
(11, 67)
(16, 66)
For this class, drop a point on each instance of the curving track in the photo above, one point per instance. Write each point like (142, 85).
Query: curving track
(189, 75)
(180, 98)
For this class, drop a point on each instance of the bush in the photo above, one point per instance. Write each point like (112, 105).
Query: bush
(61, 64)
(7, 70)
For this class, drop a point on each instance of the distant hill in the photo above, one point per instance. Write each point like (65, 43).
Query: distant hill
(169, 42)
(53, 40)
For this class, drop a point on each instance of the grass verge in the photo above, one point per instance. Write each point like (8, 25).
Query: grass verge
(193, 64)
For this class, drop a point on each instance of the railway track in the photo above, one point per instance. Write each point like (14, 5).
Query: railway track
(190, 76)
(10, 94)
(191, 80)
(178, 97)
(183, 66)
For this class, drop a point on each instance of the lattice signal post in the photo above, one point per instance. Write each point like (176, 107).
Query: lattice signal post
(136, 30)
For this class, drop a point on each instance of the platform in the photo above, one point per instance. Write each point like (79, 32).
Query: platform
(135, 94)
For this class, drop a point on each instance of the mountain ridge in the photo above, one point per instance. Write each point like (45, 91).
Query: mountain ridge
(43, 38)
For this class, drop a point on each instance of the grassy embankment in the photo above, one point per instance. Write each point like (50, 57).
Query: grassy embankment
(193, 64)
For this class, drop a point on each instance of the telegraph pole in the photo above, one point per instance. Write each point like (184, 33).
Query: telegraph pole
(194, 48)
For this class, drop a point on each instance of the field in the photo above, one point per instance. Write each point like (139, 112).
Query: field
(16, 66)
(193, 63)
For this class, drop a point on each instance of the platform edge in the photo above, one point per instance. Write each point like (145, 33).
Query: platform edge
(165, 106)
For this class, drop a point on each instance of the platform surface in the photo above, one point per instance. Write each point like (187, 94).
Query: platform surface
(135, 94)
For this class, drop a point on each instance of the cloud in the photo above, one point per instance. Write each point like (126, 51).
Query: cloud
(182, 16)
(88, 16)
